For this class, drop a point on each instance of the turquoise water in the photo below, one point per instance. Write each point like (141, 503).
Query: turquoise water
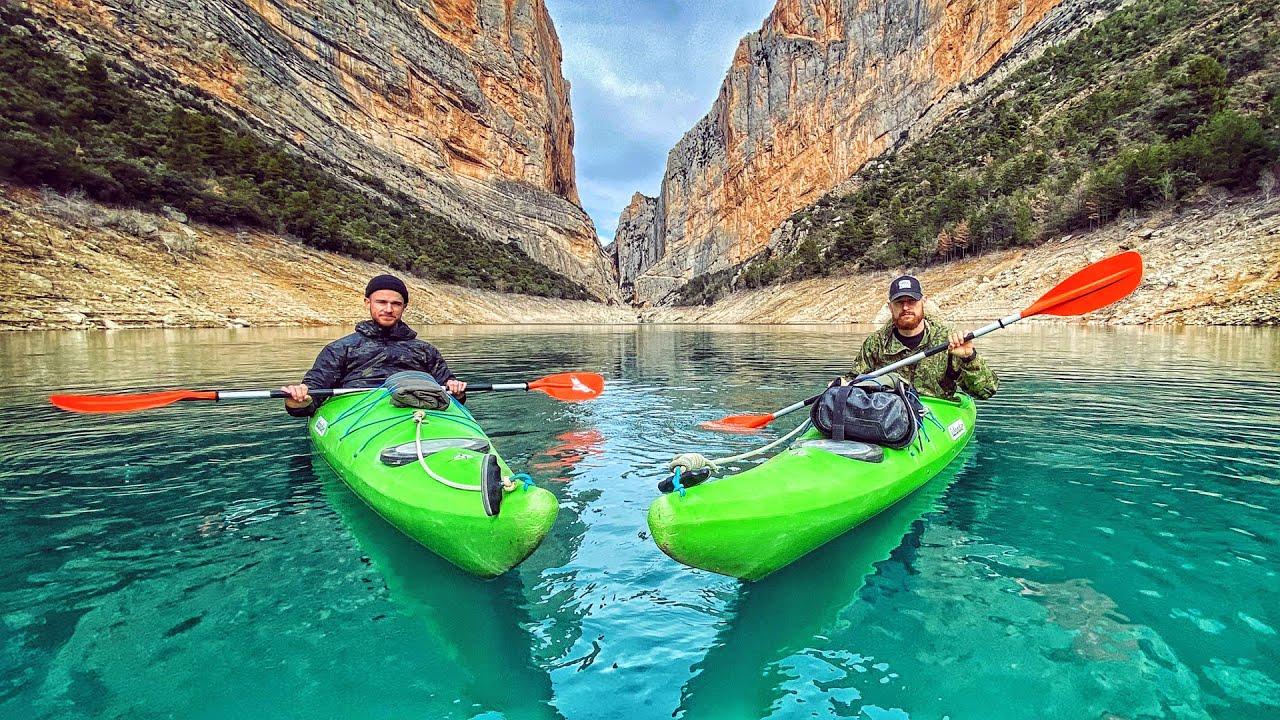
(1105, 548)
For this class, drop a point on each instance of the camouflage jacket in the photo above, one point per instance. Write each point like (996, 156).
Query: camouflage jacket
(370, 355)
(937, 376)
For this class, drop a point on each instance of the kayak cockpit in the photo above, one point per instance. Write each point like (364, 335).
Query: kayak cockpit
(851, 449)
(406, 453)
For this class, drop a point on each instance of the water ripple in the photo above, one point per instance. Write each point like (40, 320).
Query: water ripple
(1118, 483)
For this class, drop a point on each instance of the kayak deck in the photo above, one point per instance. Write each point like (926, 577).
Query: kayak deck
(751, 524)
(372, 446)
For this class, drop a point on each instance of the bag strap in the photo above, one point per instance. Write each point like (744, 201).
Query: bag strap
(915, 408)
(839, 398)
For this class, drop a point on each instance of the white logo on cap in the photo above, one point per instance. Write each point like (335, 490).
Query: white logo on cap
(904, 284)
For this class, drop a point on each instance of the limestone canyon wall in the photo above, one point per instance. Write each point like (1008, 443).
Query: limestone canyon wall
(822, 87)
(461, 103)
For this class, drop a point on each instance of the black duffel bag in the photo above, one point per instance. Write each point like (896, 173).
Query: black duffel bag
(870, 412)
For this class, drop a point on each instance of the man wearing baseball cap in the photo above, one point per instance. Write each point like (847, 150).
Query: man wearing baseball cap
(911, 330)
(379, 348)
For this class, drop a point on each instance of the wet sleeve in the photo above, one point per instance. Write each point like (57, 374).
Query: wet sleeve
(325, 373)
(977, 378)
(307, 411)
(437, 367)
(328, 368)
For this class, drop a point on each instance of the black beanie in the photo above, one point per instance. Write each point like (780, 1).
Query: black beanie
(387, 282)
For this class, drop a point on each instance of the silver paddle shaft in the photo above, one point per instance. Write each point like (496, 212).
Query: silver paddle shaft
(265, 394)
(911, 360)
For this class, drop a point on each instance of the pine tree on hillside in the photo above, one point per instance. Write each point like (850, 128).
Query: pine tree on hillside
(961, 237)
(945, 244)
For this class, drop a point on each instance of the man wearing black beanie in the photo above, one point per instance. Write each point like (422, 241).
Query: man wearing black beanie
(379, 348)
(387, 282)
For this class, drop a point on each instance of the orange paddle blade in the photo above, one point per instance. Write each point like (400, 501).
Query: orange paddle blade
(126, 403)
(739, 423)
(570, 386)
(1092, 288)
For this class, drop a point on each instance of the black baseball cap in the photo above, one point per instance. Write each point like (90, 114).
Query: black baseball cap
(905, 286)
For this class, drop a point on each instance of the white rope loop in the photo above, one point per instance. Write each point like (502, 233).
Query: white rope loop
(695, 461)
(419, 417)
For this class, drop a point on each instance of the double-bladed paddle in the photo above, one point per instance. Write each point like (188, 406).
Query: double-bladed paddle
(570, 387)
(1089, 289)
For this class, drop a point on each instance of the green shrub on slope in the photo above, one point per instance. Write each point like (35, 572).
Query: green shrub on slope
(72, 128)
(1144, 109)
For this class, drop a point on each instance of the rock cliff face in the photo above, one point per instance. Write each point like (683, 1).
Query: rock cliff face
(645, 248)
(459, 102)
(824, 86)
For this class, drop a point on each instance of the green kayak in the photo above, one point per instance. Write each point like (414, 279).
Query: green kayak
(750, 524)
(455, 506)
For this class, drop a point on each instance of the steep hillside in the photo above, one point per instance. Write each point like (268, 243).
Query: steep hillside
(1212, 263)
(1161, 105)
(68, 263)
(459, 105)
(824, 86)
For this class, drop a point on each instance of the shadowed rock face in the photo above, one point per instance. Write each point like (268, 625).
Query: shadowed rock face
(459, 102)
(822, 87)
(638, 224)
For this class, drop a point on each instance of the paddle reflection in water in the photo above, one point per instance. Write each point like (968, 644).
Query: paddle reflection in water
(570, 449)
(477, 625)
(788, 614)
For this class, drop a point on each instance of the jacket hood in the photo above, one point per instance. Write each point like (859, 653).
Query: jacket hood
(399, 331)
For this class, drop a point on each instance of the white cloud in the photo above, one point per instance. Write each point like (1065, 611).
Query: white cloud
(592, 65)
(642, 73)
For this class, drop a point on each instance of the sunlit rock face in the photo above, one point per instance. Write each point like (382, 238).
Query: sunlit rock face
(822, 87)
(461, 103)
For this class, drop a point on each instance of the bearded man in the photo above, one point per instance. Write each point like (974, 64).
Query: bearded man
(909, 331)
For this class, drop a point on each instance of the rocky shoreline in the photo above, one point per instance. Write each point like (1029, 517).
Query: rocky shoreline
(1217, 263)
(67, 263)
(70, 264)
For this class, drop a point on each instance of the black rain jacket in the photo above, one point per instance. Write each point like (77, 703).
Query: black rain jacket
(369, 356)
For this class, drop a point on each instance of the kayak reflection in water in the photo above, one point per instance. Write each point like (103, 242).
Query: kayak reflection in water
(909, 331)
(380, 347)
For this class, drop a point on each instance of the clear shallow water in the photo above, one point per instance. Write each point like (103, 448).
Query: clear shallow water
(1106, 547)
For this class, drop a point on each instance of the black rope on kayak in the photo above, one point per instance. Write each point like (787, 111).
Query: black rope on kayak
(454, 401)
(468, 422)
(924, 430)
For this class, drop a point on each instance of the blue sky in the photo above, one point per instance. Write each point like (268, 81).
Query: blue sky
(642, 73)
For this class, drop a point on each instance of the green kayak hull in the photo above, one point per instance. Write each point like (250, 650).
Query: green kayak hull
(750, 524)
(354, 432)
